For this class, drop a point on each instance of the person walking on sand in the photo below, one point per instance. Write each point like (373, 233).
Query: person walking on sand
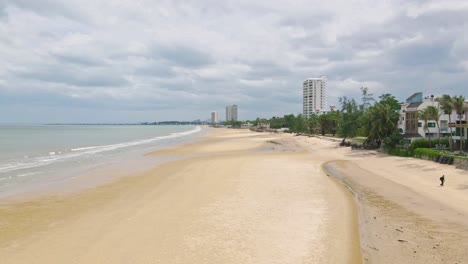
(442, 180)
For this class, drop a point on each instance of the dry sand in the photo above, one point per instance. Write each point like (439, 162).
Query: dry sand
(242, 197)
(405, 215)
(232, 197)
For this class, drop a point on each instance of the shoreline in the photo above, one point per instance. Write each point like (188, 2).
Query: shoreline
(416, 229)
(257, 198)
(78, 179)
(271, 205)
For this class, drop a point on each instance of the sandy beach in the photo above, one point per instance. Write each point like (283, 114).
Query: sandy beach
(235, 196)
(232, 197)
(405, 216)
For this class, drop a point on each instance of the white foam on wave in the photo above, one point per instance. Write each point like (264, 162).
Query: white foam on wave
(26, 174)
(96, 149)
(55, 156)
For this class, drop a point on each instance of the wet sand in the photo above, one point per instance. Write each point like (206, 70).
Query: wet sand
(232, 197)
(405, 216)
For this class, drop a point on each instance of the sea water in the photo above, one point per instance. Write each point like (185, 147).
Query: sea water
(38, 155)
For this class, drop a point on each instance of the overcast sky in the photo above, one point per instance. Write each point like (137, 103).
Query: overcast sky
(146, 60)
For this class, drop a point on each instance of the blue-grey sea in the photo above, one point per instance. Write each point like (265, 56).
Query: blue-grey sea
(38, 155)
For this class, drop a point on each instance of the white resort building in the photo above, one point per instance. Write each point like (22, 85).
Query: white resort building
(412, 127)
(314, 95)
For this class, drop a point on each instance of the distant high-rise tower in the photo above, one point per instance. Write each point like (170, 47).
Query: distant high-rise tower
(314, 96)
(231, 113)
(214, 117)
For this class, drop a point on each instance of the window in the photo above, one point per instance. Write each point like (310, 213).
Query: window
(419, 124)
(431, 124)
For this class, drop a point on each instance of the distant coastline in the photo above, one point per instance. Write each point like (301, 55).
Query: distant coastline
(171, 123)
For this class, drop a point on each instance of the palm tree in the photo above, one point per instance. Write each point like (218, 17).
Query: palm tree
(380, 122)
(460, 107)
(424, 115)
(446, 105)
(434, 114)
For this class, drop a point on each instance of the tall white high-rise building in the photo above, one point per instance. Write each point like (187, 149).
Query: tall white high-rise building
(231, 113)
(214, 117)
(314, 96)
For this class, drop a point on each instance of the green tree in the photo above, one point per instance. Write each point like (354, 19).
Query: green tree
(366, 99)
(324, 123)
(329, 122)
(334, 117)
(425, 115)
(312, 123)
(233, 123)
(459, 105)
(391, 101)
(276, 122)
(289, 121)
(446, 104)
(434, 114)
(300, 124)
(350, 114)
(380, 122)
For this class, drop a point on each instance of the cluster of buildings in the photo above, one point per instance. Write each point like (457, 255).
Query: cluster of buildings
(411, 126)
(314, 95)
(231, 114)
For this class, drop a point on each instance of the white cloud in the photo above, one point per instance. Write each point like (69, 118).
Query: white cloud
(195, 56)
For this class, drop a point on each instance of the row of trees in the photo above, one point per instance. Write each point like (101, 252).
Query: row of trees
(448, 105)
(375, 120)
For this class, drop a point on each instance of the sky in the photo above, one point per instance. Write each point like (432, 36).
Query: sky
(143, 60)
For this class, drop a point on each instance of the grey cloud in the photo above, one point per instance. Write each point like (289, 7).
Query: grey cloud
(436, 20)
(155, 69)
(83, 60)
(255, 54)
(440, 26)
(422, 53)
(77, 76)
(266, 69)
(183, 56)
(308, 20)
(47, 7)
(3, 12)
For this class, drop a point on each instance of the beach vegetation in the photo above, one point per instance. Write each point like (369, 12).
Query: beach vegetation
(300, 124)
(446, 104)
(424, 143)
(350, 114)
(425, 116)
(436, 155)
(426, 153)
(232, 123)
(313, 124)
(459, 105)
(328, 122)
(434, 114)
(380, 123)
(399, 151)
(394, 139)
(276, 122)
(374, 120)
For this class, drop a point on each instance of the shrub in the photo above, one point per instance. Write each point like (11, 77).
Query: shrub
(426, 153)
(424, 143)
(393, 139)
(400, 152)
